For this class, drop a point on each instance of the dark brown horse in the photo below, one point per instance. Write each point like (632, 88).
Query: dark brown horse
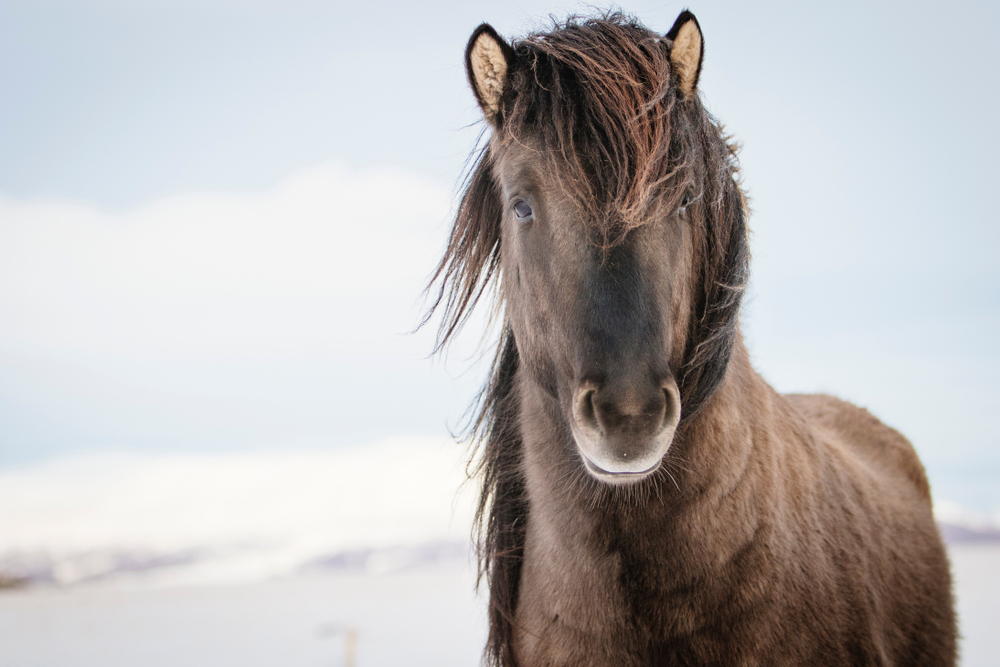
(647, 498)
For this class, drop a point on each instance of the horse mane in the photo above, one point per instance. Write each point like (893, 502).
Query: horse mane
(599, 95)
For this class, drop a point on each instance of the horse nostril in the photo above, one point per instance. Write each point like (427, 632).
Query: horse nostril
(587, 411)
(672, 413)
(584, 410)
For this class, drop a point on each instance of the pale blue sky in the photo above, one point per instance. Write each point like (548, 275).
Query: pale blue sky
(869, 155)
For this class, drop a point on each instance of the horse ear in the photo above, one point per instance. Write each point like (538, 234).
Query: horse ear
(488, 59)
(687, 51)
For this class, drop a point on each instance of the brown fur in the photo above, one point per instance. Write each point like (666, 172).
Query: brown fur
(777, 530)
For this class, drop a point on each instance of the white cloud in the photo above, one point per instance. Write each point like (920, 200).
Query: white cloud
(329, 258)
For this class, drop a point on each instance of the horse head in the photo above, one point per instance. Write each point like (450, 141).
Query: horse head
(595, 177)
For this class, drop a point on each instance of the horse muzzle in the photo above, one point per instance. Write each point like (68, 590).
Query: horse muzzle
(623, 432)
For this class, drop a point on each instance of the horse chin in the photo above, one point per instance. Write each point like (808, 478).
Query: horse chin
(617, 478)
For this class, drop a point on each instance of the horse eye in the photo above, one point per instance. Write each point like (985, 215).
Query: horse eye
(682, 209)
(522, 210)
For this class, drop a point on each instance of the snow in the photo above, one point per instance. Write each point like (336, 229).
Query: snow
(425, 617)
(237, 517)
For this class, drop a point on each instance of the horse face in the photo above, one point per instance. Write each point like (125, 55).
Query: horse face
(600, 331)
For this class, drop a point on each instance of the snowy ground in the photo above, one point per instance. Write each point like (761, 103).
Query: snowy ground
(279, 558)
(428, 617)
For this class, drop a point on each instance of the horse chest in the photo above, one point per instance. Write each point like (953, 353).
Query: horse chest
(580, 604)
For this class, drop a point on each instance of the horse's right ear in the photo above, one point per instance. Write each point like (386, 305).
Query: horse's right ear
(488, 59)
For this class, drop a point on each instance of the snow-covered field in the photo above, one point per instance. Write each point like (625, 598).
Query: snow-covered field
(425, 617)
(297, 558)
(230, 518)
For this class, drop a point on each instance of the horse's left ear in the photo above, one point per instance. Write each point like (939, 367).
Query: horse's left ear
(687, 51)
(488, 59)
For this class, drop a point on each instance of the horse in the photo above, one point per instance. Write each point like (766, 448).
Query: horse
(647, 498)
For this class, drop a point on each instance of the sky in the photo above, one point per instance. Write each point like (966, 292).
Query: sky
(217, 217)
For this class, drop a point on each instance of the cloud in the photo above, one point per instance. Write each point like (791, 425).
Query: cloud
(328, 259)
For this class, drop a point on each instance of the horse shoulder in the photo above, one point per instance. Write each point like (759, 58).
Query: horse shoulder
(855, 431)
(884, 549)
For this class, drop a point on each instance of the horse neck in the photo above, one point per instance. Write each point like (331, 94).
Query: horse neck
(720, 444)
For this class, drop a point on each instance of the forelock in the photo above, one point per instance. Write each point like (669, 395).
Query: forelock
(598, 95)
